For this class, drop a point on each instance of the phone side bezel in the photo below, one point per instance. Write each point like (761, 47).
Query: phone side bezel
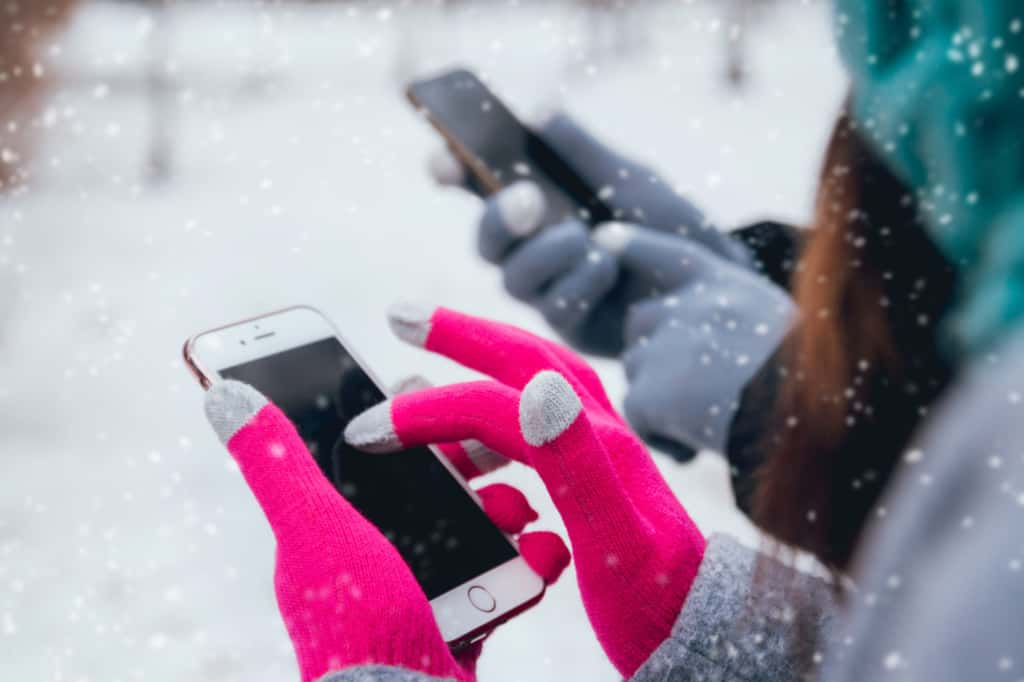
(206, 376)
(585, 200)
(488, 181)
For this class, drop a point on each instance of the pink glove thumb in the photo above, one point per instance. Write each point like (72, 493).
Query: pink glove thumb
(634, 569)
(346, 595)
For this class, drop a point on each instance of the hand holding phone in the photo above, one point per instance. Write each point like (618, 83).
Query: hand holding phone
(553, 196)
(498, 150)
(569, 270)
(636, 550)
(347, 596)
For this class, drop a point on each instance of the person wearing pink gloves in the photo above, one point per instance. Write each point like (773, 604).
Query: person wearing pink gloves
(896, 457)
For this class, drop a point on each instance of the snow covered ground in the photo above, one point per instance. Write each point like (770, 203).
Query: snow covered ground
(129, 548)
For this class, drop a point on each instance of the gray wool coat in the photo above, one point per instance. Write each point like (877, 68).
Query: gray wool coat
(938, 583)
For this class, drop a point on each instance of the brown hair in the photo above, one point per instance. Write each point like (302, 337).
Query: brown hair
(24, 24)
(863, 365)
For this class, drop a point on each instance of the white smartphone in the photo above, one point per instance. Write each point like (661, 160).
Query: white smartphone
(472, 573)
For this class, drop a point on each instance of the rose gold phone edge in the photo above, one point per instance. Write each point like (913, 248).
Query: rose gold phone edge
(478, 168)
(196, 369)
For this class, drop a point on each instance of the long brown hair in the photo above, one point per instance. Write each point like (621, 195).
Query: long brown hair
(863, 365)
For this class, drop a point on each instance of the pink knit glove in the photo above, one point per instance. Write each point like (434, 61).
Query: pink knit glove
(636, 549)
(346, 595)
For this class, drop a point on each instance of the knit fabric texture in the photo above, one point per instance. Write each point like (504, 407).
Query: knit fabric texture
(939, 91)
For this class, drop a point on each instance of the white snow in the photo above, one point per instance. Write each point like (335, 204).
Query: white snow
(130, 548)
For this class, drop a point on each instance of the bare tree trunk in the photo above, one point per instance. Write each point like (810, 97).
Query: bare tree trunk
(160, 91)
(615, 29)
(741, 18)
(737, 22)
(24, 27)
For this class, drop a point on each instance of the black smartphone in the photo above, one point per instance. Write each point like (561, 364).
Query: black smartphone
(498, 149)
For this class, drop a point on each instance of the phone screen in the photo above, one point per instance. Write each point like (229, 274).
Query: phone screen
(469, 112)
(440, 531)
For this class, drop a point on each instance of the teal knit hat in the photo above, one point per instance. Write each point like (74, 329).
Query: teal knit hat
(938, 89)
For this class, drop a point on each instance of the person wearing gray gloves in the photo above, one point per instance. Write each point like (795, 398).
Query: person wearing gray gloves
(691, 351)
(585, 287)
(571, 278)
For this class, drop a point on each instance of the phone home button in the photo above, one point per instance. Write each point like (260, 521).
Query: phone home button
(481, 599)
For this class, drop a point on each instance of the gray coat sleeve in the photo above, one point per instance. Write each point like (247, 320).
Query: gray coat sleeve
(747, 617)
(941, 577)
(378, 673)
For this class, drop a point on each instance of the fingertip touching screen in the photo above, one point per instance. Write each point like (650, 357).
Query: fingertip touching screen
(441, 532)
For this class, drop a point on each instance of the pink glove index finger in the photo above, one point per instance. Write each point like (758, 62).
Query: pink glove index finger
(480, 410)
(470, 457)
(503, 352)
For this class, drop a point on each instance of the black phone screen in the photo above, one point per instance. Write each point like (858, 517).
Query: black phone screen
(440, 531)
(468, 111)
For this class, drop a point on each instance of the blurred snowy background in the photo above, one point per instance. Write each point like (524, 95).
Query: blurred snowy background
(202, 162)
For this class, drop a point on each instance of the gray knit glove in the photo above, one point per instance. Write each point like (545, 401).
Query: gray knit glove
(558, 268)
(690, 353)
